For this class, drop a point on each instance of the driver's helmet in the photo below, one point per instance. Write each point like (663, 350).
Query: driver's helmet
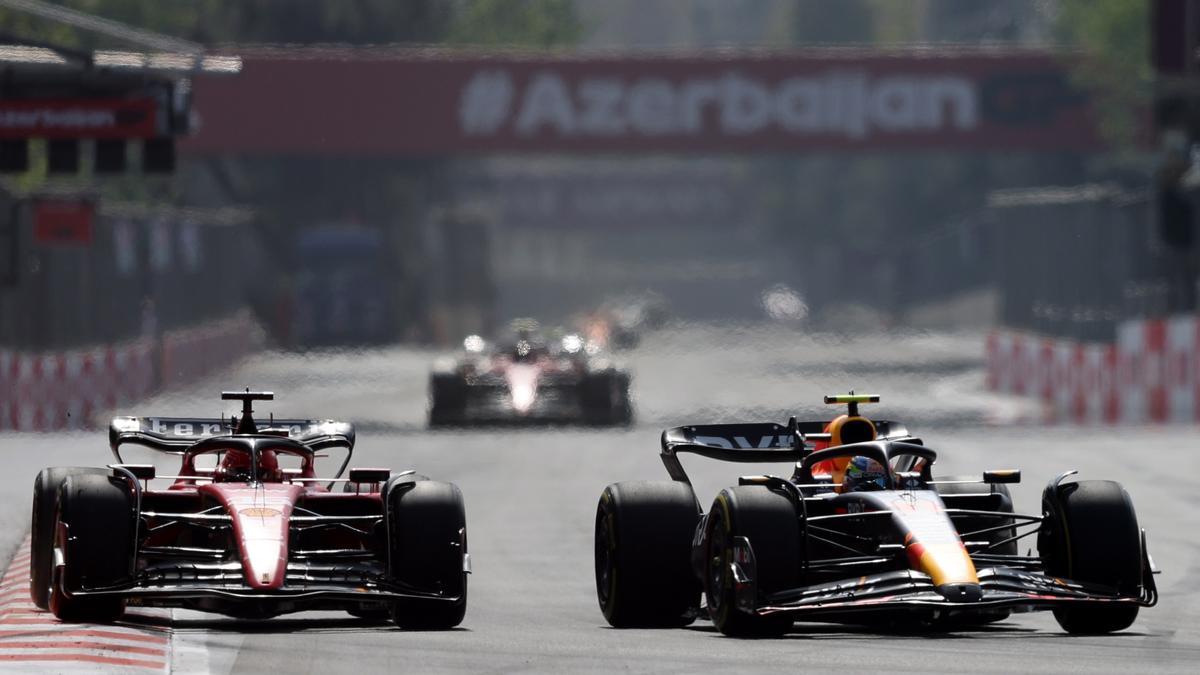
(234, 467)
(524, 351)
(842, 430)
(268, 467)
(864, 474)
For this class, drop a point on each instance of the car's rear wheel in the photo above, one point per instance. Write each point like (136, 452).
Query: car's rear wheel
(768, 520)
(41, 532)
(1090, 534)
(94, 531)
(427, 542)
(643, 540)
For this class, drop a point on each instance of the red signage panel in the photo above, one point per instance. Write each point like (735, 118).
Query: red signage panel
(78, 118)
(61, 221)
(414, 103)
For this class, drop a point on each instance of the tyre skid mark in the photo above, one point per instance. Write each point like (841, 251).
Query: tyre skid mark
(35, 638)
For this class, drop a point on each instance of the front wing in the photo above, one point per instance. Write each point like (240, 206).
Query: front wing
(1000, 588)
(306, 585)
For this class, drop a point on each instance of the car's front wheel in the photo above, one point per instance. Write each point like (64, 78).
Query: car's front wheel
(1090, 534)
(447, 399)
(41, 531)
(427, 545)
(768, 520)
(94, 535)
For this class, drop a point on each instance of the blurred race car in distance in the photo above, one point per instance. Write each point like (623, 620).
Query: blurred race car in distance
(862, 533)
(255, 535)
(528, 379)
(621, 321)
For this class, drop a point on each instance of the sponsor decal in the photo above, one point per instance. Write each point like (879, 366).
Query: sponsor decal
(744, 443)
(732, 102)
(161, 426)
(200, 428)
(83, 118)
(260, 512)
(849, 103)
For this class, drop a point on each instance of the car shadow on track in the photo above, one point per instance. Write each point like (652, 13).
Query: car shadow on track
(815, 631)
(280, 625)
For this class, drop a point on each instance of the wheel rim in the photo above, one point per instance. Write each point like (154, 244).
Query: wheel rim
(718, 565)
(605, 559)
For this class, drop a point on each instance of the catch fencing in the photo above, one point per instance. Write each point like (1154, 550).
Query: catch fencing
(1074, 262)
(134, 272)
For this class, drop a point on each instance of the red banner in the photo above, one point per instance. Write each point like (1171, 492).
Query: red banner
(415, 103)
(78, 118)
(62, 221)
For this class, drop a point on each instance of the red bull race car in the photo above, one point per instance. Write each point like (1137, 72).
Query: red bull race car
(861, 532)
(529, 380)
(246, 528)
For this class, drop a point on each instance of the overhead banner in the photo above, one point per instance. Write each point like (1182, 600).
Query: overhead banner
(418, 103)
(77, 118)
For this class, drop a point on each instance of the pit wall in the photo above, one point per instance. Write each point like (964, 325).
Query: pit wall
(62, 390)
(1150, 375)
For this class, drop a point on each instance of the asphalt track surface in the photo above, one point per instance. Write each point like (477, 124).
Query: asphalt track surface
(531, 497)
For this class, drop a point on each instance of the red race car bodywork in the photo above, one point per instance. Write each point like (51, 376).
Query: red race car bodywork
(243, 536)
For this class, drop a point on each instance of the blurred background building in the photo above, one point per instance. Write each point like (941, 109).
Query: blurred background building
(374, 171)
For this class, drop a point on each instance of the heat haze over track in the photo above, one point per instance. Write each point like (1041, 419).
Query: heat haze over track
(531, 497)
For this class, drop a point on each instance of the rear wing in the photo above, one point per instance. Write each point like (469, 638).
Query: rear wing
(755, 442)
(176, 434)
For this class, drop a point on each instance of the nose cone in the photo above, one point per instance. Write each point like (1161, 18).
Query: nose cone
(522, 386)
(260, 527)
(961, 592)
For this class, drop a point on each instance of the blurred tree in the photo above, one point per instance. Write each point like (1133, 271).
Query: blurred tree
(227, 21)
(536, 23)
(1114, 36)
(819, 21)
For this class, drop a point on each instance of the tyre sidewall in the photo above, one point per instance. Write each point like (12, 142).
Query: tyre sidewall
(98, 512)
(41, 531)
(426, 539)
(769, 521)
(643, 547)
(1091, 535)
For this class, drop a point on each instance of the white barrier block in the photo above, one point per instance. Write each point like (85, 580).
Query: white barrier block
(1182, 344)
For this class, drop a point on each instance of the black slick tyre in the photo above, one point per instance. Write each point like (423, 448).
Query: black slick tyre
(41, 531)
(1091, 535)
(447, 399)
(643, 540)
(768, 520)
(427, 542)
(604, 397)
(97, 545)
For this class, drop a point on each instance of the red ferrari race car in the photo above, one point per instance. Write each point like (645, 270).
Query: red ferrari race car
(860, 532)
(529, 380)
(246, 528)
